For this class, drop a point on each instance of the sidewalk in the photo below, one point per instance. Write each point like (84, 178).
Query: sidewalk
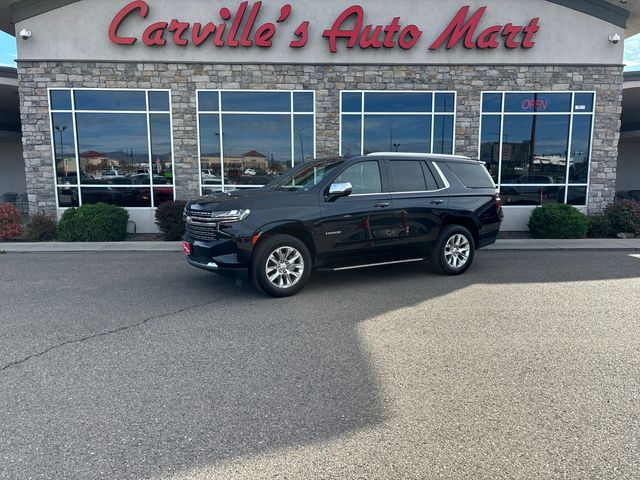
(519, 244)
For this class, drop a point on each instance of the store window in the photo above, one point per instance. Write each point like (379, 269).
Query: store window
(112, 146)
(537, 145)
(421, 122)
(246, 138)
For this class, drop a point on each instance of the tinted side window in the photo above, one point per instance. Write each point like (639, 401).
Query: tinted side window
(472, 175)
(364, 177)
(407, 176)
(432, 183)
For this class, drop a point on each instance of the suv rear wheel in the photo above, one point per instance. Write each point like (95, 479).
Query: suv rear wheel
(281, 265)
(454, 251)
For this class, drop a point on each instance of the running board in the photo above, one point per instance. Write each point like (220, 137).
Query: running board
(354, 267)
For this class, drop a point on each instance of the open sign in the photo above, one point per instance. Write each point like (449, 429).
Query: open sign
(535, 104)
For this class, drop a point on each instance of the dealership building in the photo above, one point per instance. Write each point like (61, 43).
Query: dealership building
(139, 102)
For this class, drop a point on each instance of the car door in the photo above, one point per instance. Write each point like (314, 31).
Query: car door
(420, 201)
(359, 226)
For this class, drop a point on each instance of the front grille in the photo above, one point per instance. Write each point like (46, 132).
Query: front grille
(200, 225)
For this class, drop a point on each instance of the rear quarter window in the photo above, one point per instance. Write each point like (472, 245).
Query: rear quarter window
(471, 175)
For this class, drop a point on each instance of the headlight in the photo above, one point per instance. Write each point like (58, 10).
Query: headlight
(231, 215)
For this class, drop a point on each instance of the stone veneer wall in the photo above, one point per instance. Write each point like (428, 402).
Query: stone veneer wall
(327, 81)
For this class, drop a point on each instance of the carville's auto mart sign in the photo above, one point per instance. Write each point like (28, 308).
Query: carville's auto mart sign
(246, 27)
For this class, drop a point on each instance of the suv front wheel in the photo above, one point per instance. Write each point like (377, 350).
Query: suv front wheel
(281, 265)
(454, 251)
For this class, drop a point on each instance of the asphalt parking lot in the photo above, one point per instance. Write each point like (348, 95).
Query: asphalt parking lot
(135, 365)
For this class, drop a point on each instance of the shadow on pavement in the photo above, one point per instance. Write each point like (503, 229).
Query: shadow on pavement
(233, 374)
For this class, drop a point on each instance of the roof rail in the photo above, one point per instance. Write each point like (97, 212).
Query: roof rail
(418, 155)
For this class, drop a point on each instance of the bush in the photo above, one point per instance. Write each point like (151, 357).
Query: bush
(41, 228)
(558, 221)
(67, 226)
(10, 222)
(624, 217)
(94, 223)
(600, 226)
(169, 220)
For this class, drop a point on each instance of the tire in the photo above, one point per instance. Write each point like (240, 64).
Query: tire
(454, 251)
(281, 266)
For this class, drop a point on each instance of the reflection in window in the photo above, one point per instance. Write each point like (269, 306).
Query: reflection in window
(64, 149)
(538, 145)
(161, 151)
(407, 176)
(528, 196)
(580, 149)
(397, 133)
(351, 135)
(120, 196)
(364, 177)
(443, 134)
(303, 176)
(537, 102)
(60, 99)
(380, 102)
(256, 101)
(397, 122)
(112, 100)
(113, 132)
(68, 197)
(303, 138)
(113, 147)
(303, 102)
(490, 144)
(254, 138)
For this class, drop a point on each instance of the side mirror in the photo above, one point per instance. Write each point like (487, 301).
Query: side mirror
(337, 190)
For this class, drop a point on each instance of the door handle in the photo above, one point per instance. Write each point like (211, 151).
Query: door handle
(382, 205)
(437, 202)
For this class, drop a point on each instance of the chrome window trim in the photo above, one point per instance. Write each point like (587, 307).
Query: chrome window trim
(446, 183)
(442, 177)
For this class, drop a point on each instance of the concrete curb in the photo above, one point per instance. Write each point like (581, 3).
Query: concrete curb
(53, 247)
(501, 245)
(561, 245)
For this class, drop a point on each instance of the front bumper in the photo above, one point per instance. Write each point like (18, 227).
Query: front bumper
(221, 256)
(210, 266)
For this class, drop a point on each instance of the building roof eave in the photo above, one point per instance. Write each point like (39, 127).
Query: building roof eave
(602, 9)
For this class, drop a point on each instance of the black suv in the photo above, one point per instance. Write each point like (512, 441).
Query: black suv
(340, 214)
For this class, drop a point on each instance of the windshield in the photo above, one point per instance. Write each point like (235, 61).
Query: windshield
(304, 176)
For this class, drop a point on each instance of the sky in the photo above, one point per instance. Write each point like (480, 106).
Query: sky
(8, 51)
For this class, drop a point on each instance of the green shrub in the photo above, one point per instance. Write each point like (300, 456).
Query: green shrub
(169, 220)
(599, 226)
(10, 222)
(41, 228)
(67, 229)
(624, 217)
(94, 223)
(558, 221)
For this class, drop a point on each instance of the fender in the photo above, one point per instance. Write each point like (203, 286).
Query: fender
(305, 231)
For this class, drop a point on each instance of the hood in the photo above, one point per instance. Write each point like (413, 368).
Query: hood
(235, 200)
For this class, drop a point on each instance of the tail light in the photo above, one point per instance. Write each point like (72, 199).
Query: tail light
(498, 202)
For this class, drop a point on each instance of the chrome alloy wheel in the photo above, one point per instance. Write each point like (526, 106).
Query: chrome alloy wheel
(284, 267)
(457, 251)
